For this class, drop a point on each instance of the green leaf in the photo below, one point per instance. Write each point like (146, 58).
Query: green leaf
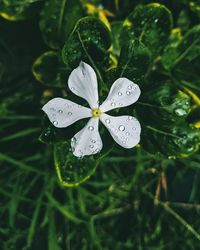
(150, 24)
(170, 51)
(58, 19)
(71, 170)
(133, 61)
(164, 105)
(116, 29)
(181, 140)
(89, 42)
(19, 9)
(49, 70)
(186, 66)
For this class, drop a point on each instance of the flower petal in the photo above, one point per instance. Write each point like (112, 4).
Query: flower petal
(62, 112)
(125, 130)
(87, 141)
(83, 82)
(122, 93)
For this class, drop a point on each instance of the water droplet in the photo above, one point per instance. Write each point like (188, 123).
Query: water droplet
(124, 142)
(60, 111)
(93, 141)
(91, 128)
(69, 113)
(156, 20)
(130, 118)
(113, 104)
(121, 128)
(119, 93)
(180, 112)
(73, 139)
(130, 87)
(134, 128)
(128, 92)
(120, 104)
(107, 121)
(55, 123)
(127, 133)
(91, 146)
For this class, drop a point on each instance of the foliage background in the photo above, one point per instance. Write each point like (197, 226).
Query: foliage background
(145, 198)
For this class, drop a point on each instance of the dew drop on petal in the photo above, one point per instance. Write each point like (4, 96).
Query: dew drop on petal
(107, 121)
(60, 111)
(134, 128)
(93, 141)
(119, 93)
(130, 87)
(113, 104)
(91, 128)
(69, 113)
(127, 133)
(91, 146)
(121, 128)
(55, 123)
(130, 118)
(128, 92)
(73, 139)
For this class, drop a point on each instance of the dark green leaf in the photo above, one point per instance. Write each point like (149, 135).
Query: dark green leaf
(19, 9)
(133, 61)
(170, 51)
(151, 24)
(186, 66)
(164, 105)
(58, 19)
(181, 140)
(116, 28)
(72, 170)
(89, 42)
(49, 70)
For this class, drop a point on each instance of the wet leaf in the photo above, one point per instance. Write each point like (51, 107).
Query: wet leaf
(180, 140)
(71, 170)
(186, 66)
(133, 61)
(49, 70)
(18, 10)
(116, 29)
(150, 24)
(89, 42)
(58, 19)
(170, 51)
(164, 105)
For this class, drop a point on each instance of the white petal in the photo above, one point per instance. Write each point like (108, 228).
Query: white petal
(87, 141)
(122, 93)
(83, 82)
(125, 130)
(62, 112)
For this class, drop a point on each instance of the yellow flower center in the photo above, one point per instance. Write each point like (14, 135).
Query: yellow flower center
(96, 112)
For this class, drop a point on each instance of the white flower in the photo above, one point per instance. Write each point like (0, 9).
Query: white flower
(125, 130)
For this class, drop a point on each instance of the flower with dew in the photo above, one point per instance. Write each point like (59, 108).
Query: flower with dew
(82, 81)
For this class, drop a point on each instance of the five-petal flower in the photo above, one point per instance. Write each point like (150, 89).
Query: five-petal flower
(82, 81)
